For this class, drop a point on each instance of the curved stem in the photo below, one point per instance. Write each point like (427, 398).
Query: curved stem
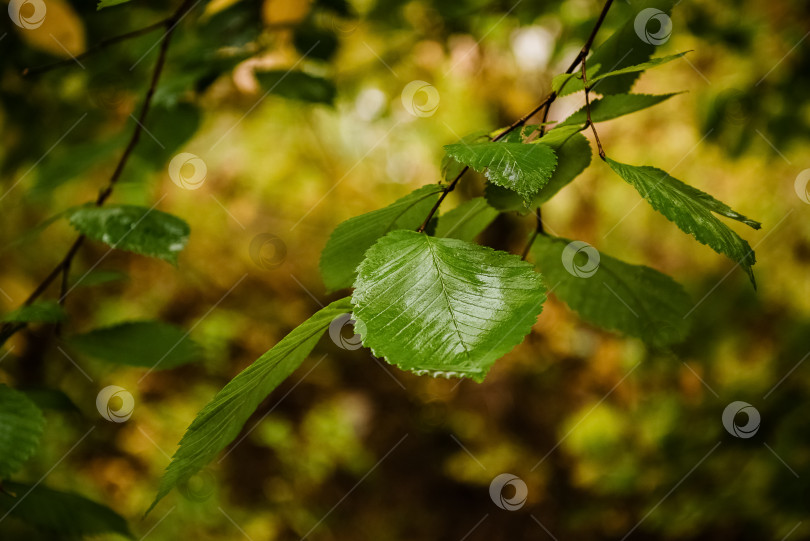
(588, 113)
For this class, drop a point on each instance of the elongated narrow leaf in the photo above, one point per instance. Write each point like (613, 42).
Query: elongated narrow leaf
(21, 425)
(298, 85)
(630, 45)
(62, 515)
(39, 312)
(151, 344)
(632, 299)
(345, 248)
(637, 68)
(614, 106)
(443, 306)
(109, 3)
(522, 168)
(691, 210)
(136, 229)
(573, 157)
(466, 221)
(51, 399)
(222, 419)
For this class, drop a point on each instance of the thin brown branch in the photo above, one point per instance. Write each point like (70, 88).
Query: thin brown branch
(538, 230)
(588, 113)
(100, 46)
(546, 103)
(63, 267)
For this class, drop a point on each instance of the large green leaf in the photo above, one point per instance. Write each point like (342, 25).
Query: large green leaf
(297, 85)
(136, 229)
(522, 168)
(62, 515)
(626, 48)
(466, 221)
(39, 312)
(632, 299)
(345, 248)
(614, 106)
(152, 344)
(222, 419)
(691, 210)
(443, 306)
(573, 157)
(21, 426)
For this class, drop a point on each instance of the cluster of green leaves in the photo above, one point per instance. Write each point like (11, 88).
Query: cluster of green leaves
(435, 302)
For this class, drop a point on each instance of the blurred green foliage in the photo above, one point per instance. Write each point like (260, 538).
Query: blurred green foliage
(608, 434)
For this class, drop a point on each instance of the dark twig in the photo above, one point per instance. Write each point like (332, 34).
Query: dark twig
(588, 113)
(101, 45)
(546, 104)
(538, 230)
(63, 267)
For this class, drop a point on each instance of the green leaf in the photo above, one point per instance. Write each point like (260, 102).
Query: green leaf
(21, 426)
(573, 157)
(568, 83)
(315, 42)
(170, 126)
(443, 306)
(691, 210)
(452, 168)
(51, 399)
(63, 515)
(151, 344)
(625, 48)
(109, 3)
(655, 62)
(38, 312)
(222, 419)
(614, 106)
(466, 221)
(297, 85)
(99, 277)
(136, 229)
(345, 248)
(522, 168)
(632, 299)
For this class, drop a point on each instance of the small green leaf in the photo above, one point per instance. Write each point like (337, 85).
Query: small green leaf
(452, 168)
(99, 277)
(136, 229)
(691, 210)
(573, 157)
(345, 248)
(222, 419)
(62, 515)
(466, 221)
(626, 47)
(109, 3)
(315, 42)
(38, 312)
(522, 168)
(632, 299)
(652, 63)
(51, 399)
(614, 106)
(443, 306)
(297, 85)
(569, 83)
(21, 426)
(151, 344)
